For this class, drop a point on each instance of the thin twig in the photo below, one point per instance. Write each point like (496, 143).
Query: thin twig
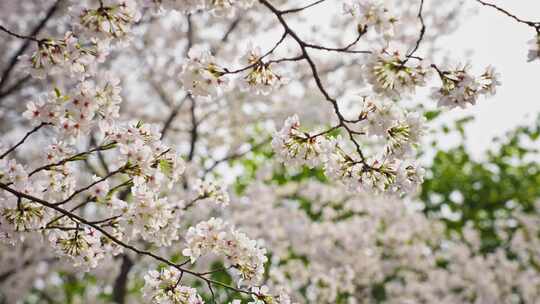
(81, 190)
(26, 44)
(77, 156)
(422, 31)
(296, 10)
(20, 36)
(533, 24)
(34, 130)
(303, 47)
(235, 156)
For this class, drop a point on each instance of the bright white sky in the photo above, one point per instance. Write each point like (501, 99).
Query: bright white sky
(500, 41)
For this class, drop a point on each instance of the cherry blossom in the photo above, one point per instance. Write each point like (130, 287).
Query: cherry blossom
(534, 52)
(135, 150)
(460, 88)
(201, 76)
(163, 287)
(390, 74)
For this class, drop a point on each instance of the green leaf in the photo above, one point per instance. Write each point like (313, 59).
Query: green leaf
(165, 166)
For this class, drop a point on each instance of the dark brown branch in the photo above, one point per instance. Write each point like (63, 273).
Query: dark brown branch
(168, 123)
(215, 270)
(194, 133)
(20, 36)
(120, 284)
(190, 34)
(422, 31)
(34, 130)
(112, 218)
(190, 204)
(6, 274)
(101, 158)
(296, 10)
(536, 25)
(231, 29)
(345, 49)
(260, 59)
(303, 47)
(81, 190)
(211, 292)
(71, 210)
(15, 87)
(75, 157)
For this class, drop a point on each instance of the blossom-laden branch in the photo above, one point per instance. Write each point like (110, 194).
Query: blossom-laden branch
(316, 150)
(72, 158)
(81, 220)
(140, 196)
(150, 166)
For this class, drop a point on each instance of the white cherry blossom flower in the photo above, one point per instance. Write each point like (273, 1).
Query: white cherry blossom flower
(164, 288)
(372, 13)
(201, 76)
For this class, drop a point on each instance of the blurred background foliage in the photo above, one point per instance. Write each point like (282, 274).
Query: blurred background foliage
(460, 188)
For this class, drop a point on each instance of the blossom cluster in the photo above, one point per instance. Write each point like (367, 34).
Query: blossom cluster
(299, 148)
(402, 130)
(82, 245)
(244, 255)
(201, 76)
(460, 88)
(392, 171)
(96, 24)
(163, 287)
(79, 112)
(261, 79)
(262, 295)
(155, 169)
(106, 19)
(105, 183)
(19, 217)
(372, 13)
(391, 76)
(66, 55)
(212, 191)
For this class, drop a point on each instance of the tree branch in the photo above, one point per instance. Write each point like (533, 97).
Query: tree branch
(535, 25)
(26, 44)
(82, 220)
(34, 130)
(120, 284)
(422, 31)
(303, 46)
